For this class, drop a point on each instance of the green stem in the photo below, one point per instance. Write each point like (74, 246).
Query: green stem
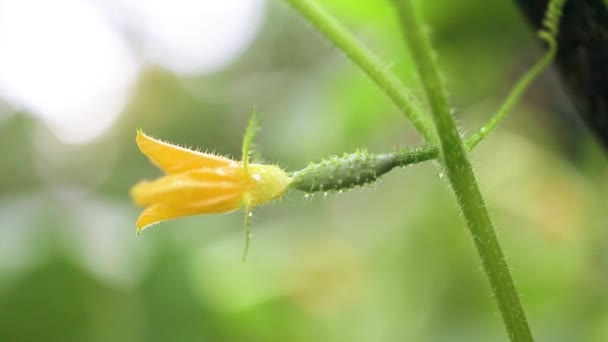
(336, 33)
(462, 178)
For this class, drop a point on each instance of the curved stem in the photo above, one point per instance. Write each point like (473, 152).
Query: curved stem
(336, 33)
(520, 87)
(462, 178)
(548, 34)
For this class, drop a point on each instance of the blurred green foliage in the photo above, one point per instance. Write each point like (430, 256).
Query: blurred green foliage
(391, 262)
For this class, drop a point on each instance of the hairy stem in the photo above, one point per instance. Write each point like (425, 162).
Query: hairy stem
(337, 34)
(461, 176)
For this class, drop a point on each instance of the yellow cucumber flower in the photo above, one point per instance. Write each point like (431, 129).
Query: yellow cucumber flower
(201, 183)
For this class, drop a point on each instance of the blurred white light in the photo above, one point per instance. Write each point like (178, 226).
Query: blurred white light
(103, 240)
(66, 62)
(97, 233)
(193, 36)
(81, 168)
(63, 62)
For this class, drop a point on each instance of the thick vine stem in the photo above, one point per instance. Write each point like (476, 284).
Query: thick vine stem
(461, 176)
(367, 62)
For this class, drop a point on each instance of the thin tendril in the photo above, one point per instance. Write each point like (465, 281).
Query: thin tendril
(549, 35)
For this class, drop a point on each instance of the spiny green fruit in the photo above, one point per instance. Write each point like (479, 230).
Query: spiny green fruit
(355, 169)
(339, 173)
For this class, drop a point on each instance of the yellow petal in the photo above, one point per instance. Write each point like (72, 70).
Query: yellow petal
(160, 212)
(187, 189)
(174, 159)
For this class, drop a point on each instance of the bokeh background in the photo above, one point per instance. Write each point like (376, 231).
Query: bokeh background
(389, 262)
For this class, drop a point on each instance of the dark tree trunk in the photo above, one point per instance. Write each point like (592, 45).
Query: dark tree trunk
(582, 57)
